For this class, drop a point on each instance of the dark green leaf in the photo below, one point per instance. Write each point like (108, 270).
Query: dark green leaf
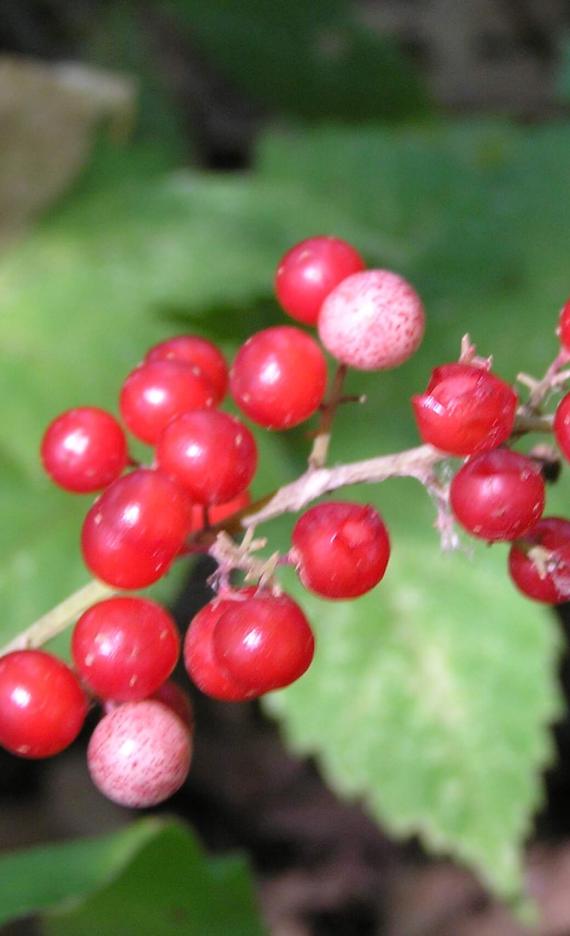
(102, 885)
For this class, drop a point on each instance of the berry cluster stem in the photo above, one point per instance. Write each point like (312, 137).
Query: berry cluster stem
(321, 442)
(417, 463)
(553, 377)
(59, 618)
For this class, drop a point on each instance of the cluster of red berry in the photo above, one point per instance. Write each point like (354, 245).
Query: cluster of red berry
(498, 495)
(250, 640)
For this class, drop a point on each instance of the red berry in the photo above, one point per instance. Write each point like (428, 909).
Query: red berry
(175, 698)
(218, 512)
(190, 349)
(279, 377)
(310, 271)
(211, 454)
(135, 529)
(373, 320)
(550, 584)
(42, 705)
(155, 393)
(465, 410)
(264, 642)
(139, 754)
(562, 425)
(125, 648)
(498, 495)
(84, 449)
(341, 550)
(563, 330)
(202, 666)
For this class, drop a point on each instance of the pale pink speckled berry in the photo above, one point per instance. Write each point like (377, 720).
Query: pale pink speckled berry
(139, 754)
(373, 320)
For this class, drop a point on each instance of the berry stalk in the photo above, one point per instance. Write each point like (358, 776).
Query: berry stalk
(59, 618)
(415, 462)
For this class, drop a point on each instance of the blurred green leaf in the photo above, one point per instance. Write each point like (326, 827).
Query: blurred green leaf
(311, 60)
(148, 878)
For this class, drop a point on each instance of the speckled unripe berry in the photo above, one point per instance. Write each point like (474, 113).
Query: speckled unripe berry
(139, 754)
(373, 320)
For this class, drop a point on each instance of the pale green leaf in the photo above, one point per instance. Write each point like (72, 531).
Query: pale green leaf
(429, 700)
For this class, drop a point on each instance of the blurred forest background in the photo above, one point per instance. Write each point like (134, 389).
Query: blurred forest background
(156, 159)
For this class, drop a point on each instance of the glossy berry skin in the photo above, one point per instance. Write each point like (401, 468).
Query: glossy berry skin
(125, 648)
(193, 350)
(211, 454)
(139, 754)
(279, 377)
(42, 705)
(553, 535)
(373, 320)
(310, 271)
(202, 665)
(563, 330)
(264, 642)
(155, 393)
(498, 496)
(176, 699)
(218, 512)
(562, 426)
(135, 529)
(465, 410)
(340, 549)
(84, 449)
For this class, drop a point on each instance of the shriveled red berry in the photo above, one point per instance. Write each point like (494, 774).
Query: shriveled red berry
(563, 330)
(139, 754)
(279, 377)
(84, 449)
(218, 512)
(310, 271)
(546, 579)
(135, 529)
(191, 349)
(211, 454)
(202, 666)
(498, 496)
(174, 697)
(157, 392)
(42, 705)
(340, 549)
(562, 426)
(373, 320)
(125, 648)
(465, 409)
(264, 642)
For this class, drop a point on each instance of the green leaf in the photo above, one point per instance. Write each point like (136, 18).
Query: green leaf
(429, 700)
(310, 60)
(98, 885)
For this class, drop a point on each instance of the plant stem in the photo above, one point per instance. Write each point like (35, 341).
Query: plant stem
(313, 483)
(322, 440)
(60, 617)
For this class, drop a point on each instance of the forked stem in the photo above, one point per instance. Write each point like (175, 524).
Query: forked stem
(313, 483)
